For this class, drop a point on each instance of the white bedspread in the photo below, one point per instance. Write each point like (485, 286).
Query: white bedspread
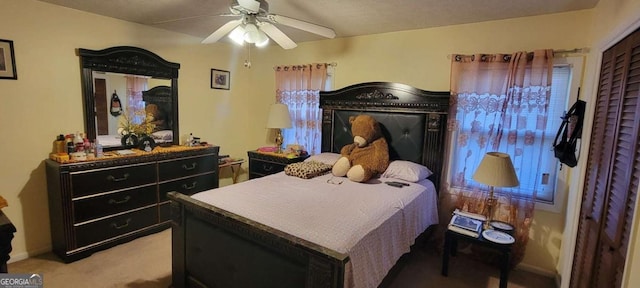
(371, 222)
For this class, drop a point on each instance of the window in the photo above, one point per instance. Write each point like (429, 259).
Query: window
(545, 184)
(538, 156)
(303, 103)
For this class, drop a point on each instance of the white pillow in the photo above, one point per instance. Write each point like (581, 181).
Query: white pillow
(407, 171)
(325, 157)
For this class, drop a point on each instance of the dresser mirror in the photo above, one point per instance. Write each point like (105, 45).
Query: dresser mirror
(125, 85)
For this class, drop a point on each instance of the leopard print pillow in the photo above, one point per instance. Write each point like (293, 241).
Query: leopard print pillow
(307, 170)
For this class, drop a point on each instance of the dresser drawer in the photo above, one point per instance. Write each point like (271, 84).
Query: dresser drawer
(187, 166)
(113, 203)
(265, 168)
(114, 226)
(188, 186)
(262, 164)
(96, 181)
(165, 212)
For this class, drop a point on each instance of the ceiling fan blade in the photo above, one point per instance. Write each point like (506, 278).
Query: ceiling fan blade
(274, 33)
(186, 18)
(226, 28)
(302, 25)
(250, 5)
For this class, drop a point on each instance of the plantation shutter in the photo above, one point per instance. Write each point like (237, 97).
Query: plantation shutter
(613, 170)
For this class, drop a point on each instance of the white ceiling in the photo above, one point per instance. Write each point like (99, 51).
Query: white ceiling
(346, 17)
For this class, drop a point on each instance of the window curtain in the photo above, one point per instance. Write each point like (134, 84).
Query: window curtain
(499, 103)
(298, 87)
(135, 104)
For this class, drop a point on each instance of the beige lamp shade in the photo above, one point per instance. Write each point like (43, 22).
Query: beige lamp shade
(279, 116)
(496, 169)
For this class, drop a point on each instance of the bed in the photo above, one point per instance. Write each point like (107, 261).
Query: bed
(230, 237)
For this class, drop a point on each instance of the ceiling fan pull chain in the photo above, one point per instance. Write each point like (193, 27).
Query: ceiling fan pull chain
(247, 62)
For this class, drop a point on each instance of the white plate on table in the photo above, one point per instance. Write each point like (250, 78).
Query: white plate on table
(501, 226)
(498, 237)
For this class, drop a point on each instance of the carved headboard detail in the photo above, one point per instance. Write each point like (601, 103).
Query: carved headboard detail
(413, 120)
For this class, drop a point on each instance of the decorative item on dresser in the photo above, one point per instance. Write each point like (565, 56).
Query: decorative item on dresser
(97, 204)
(262, 164)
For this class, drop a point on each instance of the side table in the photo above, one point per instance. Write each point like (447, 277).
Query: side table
(235, 168)
(263, 164)
(6, 235)
(451, 248)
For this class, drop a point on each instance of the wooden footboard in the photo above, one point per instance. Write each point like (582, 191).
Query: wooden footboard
(216, 248)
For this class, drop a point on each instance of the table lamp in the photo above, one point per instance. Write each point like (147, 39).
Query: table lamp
(495, 170)
(279, 119)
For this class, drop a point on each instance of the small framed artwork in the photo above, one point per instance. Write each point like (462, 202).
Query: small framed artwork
(7, 60)
(220, 79)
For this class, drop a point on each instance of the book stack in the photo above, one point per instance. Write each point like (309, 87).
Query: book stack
(466, 223)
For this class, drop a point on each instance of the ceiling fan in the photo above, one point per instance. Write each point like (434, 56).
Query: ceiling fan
(256, 23)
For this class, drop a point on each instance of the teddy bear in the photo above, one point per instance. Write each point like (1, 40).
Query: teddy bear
(367, 156)
(157, 117)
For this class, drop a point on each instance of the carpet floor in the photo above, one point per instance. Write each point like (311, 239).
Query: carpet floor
(146, 263)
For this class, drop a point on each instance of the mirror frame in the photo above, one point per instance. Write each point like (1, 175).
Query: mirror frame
(125, 60)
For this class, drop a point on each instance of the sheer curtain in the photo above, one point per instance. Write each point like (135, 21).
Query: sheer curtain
(299, 86)
(499, 103)
(135, 104)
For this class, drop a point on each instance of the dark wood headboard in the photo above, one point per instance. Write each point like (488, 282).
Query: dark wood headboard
(163, 98)
(413, 121)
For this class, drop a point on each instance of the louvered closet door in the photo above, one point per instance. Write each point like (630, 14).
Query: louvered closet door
(613, 171)
(598, 161)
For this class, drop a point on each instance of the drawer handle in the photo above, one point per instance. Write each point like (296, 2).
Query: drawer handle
(114, 179)
(125, 200)
(267, 168)
(116, 226)
(193, 185)
(193, 166)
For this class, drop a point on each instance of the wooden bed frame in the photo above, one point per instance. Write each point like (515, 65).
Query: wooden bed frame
(216, 248)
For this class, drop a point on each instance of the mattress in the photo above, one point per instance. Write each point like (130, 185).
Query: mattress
(372, 222)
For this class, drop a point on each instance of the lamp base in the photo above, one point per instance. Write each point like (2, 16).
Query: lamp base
(490, 203)
(279, 140)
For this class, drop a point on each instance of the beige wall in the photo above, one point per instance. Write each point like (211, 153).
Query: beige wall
(46, 98)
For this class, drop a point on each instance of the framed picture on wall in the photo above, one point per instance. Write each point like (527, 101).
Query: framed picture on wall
(220, 79)
(7, 60)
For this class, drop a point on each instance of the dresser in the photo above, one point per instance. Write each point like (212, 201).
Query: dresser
(95, 205)
(262, 164)
(6, 235)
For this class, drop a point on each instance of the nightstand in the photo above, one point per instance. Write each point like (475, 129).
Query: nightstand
(451, 248)
(263, 164)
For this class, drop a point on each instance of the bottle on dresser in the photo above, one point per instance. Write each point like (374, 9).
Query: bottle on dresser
(60, 146)
(78, 142)
(69, 141)
(98, 149)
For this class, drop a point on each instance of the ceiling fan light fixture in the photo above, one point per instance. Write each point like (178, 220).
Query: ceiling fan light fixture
(237, 35)
(263, 42)
(251, 34)
(256, 26)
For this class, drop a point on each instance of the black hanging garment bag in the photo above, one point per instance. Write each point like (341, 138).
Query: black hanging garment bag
(564, 146)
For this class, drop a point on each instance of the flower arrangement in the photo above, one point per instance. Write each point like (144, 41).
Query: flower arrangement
(127, 123)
